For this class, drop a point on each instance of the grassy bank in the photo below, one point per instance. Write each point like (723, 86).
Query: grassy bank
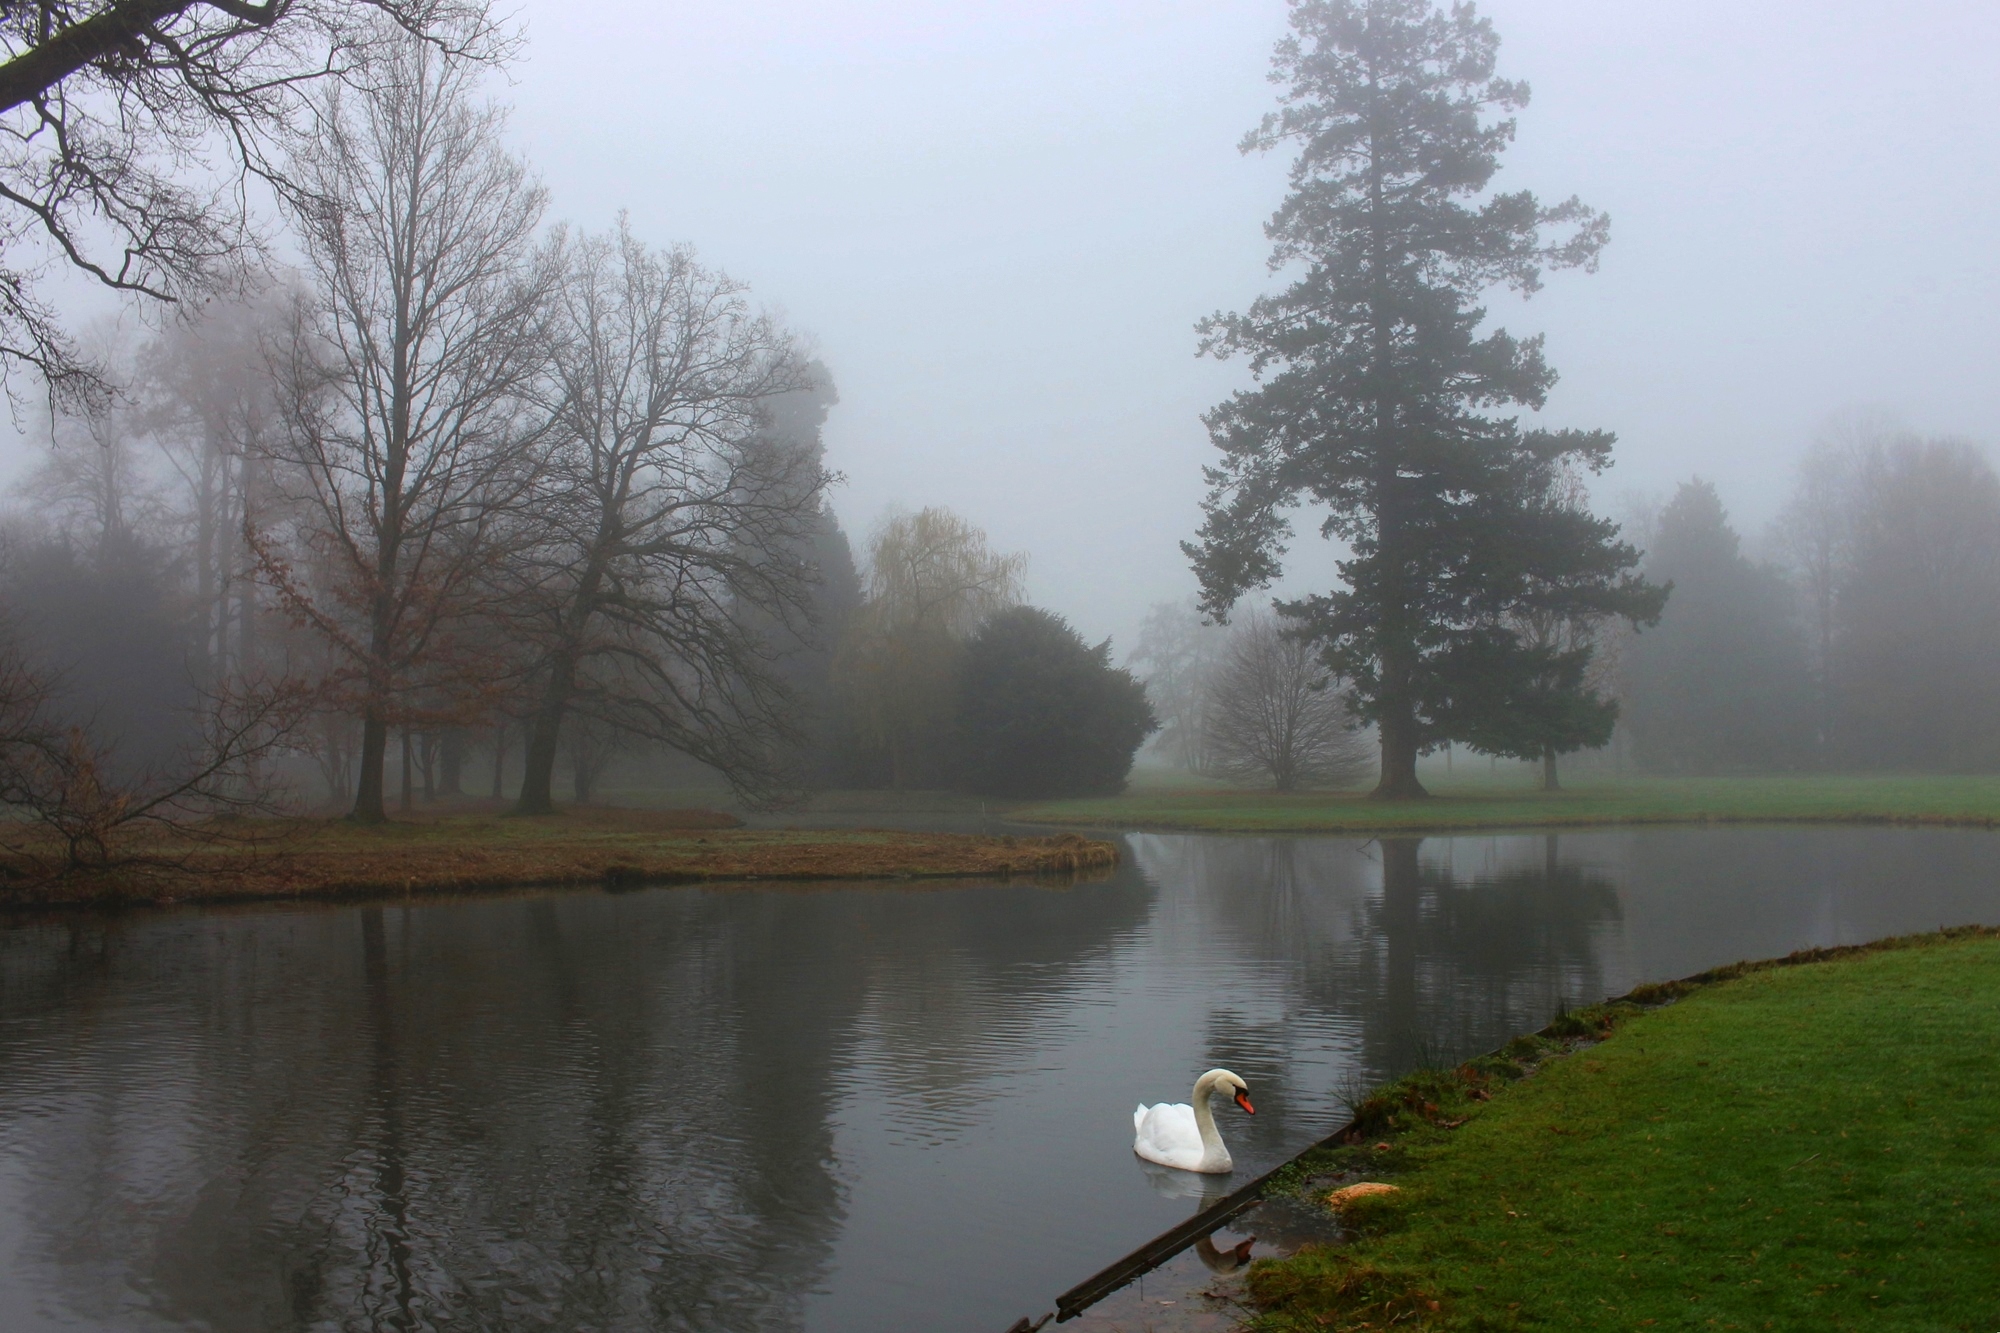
(1790, 1147)
(1471, 805)
(327, 858)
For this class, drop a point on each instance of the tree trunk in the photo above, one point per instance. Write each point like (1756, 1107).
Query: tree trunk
(1398, 727)
(451, 762)
(538, 778)
(1400, 926)
(537, 781)
(499, 759)
(1397, 721)
(407, 801)
(368, 802)
(1549, 782)
(368, 807)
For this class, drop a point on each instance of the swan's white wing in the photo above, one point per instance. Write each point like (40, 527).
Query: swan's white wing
(1167, 1134)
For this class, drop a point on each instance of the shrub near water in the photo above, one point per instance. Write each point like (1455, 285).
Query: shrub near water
(1042, 713)
(1807, 1147)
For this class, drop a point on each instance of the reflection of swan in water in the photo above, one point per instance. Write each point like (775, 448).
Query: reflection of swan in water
(1184, 1137)
(1204, 1190)
(1220, 1260)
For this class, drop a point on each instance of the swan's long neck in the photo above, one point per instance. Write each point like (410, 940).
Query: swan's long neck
(1212, 1147)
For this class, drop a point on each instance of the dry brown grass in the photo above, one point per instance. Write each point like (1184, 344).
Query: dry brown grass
(330, 858)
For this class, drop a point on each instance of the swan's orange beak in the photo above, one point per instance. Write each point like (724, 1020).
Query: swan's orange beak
(1243, 1100)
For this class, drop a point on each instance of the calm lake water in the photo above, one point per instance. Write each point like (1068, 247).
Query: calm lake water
(839, 1108)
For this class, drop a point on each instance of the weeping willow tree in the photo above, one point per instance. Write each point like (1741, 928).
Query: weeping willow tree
(932, 580)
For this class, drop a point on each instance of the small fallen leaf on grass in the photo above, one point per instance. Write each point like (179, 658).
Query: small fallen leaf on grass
(1347, 1194)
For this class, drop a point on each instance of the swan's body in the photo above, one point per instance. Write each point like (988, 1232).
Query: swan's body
(1184, 1137)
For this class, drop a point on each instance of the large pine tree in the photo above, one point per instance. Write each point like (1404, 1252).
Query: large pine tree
(1377, 387)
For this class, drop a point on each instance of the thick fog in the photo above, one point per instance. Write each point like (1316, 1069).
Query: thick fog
(1000, 221)
(955, 255)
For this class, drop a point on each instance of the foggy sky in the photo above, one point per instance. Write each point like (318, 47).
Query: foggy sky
(999, 219)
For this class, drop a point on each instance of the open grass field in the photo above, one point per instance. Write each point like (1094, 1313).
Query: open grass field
(1807, 1147)
(1471, 803)
(324, 858)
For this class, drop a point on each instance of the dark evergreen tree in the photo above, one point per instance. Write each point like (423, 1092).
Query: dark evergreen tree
(829, 753)
(1376, 387)
(1525, 700)
(1723, 682)
(1042, 713)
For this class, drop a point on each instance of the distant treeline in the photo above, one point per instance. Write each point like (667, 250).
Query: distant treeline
(1862, 633)
(136, 590)
(462, 490)
(1869, 638)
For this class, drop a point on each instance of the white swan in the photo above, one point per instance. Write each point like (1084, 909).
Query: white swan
(1185, 1137)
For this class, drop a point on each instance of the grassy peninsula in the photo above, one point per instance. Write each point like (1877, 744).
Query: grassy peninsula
(1476, 804)
(460, 852)
(1780, 1147)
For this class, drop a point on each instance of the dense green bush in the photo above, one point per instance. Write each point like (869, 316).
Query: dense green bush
(1042, 713)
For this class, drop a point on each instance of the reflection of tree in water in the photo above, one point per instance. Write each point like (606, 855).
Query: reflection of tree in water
(1456, 966)
(1287, 905)
(1426, 962)
(576, 1112)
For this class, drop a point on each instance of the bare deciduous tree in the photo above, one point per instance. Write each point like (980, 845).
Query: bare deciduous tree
(663, 514)
(932, 579)
(111, 112)
(591, 746)
(75, 810)
(1815, 530)
(208, 400)
(1919, 609)
(403, 442)
(1179, 652)
(1272, 714)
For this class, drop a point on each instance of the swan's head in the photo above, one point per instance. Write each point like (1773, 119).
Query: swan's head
(1221, 1080)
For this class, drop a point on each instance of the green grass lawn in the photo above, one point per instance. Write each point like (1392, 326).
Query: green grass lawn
(1808, 1147)
(1472, 803)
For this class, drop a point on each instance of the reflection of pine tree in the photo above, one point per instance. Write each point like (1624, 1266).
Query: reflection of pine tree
(1464, 963)
(1423, 960)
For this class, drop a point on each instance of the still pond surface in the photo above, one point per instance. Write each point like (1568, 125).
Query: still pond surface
(838, 1108)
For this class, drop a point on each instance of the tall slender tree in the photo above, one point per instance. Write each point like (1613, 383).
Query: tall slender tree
(1816, 532)
(1377, 386)
(403, 443)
